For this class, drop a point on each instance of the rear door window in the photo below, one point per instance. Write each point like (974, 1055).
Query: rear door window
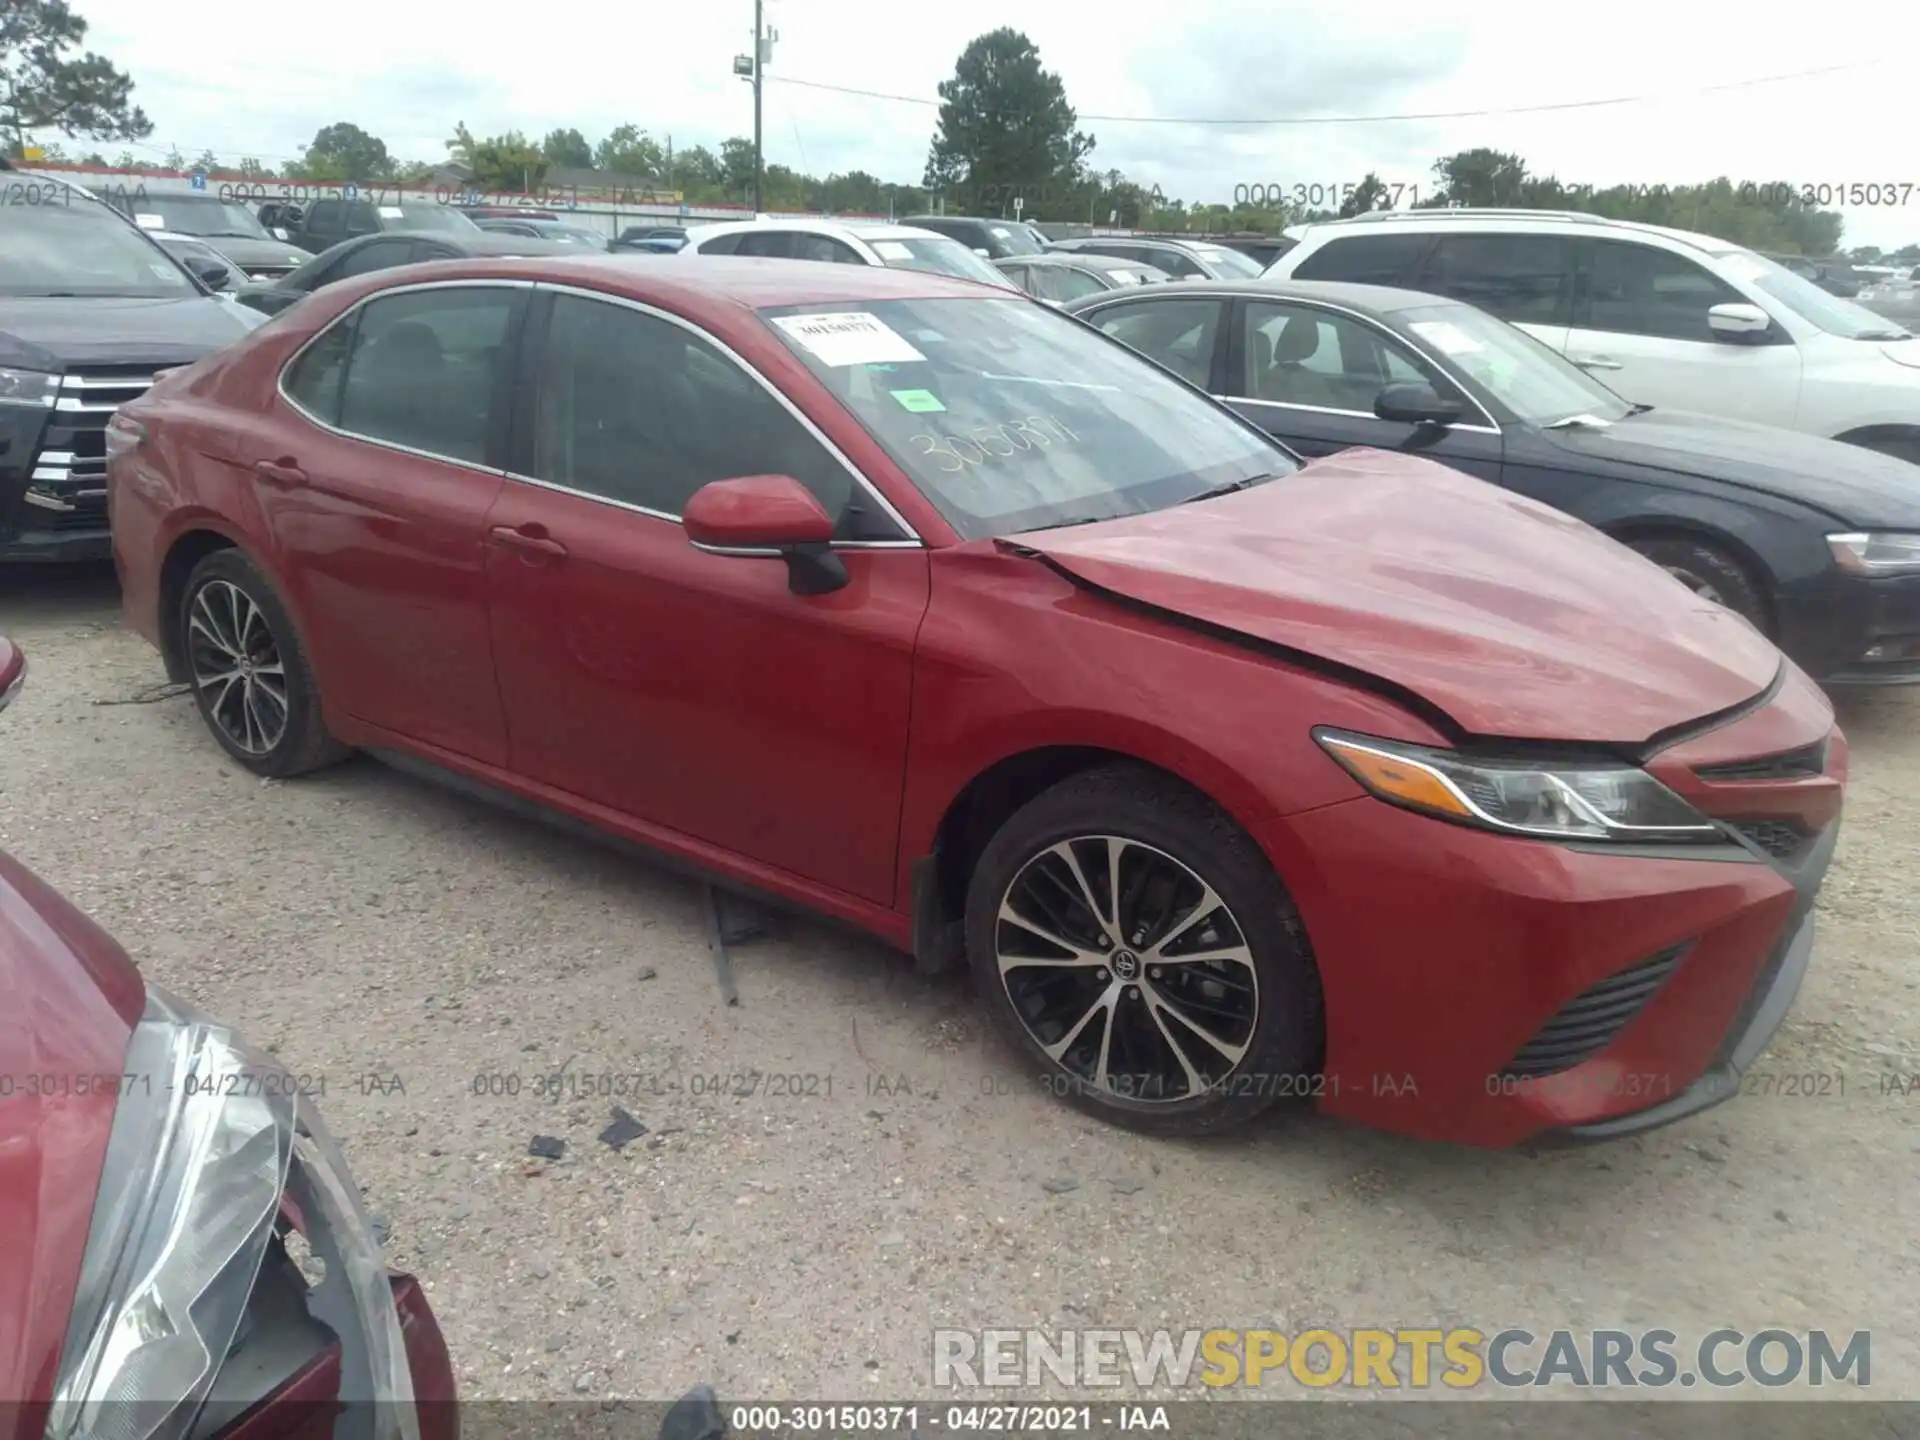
(1523, 279)
(425, 368)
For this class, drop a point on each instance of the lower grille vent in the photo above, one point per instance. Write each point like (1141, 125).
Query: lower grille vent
(1587, 1023)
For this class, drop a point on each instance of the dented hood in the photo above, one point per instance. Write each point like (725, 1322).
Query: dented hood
(1514, 619)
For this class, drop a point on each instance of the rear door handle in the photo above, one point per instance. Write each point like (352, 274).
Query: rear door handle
(282, 472)
(526, 543)
(1598, 362)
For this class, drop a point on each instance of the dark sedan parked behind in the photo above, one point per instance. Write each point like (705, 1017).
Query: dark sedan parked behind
(382, 252)
(1059, 278)
(1815, 542)
(1182, 259)
(558, 231)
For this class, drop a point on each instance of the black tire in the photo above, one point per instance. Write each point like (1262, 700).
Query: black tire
(1710, 572)
(1283, 1037)
(238, 711)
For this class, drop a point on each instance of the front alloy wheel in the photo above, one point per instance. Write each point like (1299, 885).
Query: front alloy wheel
(1136, 945)
(1126, 969)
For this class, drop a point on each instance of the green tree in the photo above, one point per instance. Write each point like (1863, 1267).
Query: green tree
(1005, 128)
(736, 167)
(207, 161)
(629, 150)
(500, 162)
(1370, 194)
(252, 169)
(343, 151)
(568, 148)
(43, 87)
(1482, 177)
(697, 171)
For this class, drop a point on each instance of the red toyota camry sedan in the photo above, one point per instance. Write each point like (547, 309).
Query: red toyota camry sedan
(158, 1176)
(1232, 778)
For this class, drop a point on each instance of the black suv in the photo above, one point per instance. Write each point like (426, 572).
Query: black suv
(326, 223)
(90, 309)
(995, 239)
(226, 225)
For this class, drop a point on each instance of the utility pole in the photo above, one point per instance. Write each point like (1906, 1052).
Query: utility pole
(752, 68)
(759, 82)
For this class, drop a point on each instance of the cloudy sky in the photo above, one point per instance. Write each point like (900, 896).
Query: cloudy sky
(408, 72)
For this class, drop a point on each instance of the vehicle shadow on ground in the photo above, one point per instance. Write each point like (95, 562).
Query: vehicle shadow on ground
(853, 974)
(31, 593)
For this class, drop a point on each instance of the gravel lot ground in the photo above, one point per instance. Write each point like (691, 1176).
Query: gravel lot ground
(379, 933)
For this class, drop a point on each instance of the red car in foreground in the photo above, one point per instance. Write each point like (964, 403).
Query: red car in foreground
(1232, 778)
(154, 1168)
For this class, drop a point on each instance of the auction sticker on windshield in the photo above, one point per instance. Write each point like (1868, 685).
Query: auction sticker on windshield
(392, 212)
(848, 337)
(1445, 336)
(150, 222)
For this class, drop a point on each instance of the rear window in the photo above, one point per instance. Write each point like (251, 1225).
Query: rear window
(1364, 259)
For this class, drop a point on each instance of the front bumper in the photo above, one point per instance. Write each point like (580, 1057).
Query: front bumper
(1489, 990)
(1831, 626)
(306, 1406)
(60, 547)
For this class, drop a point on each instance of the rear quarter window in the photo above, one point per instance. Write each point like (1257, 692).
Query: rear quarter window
(1364, 259)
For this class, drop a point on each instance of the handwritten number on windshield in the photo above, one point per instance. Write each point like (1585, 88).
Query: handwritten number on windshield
(983, 441)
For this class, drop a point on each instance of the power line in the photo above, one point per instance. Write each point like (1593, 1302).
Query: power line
(1374, 119)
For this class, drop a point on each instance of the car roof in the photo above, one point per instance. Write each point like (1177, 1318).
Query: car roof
(861, 229)
(1079, 258)
(709, 282)
(1375, 299)
(1468, 218)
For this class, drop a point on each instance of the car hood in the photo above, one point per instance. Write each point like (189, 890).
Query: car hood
(1512, 618)
(1858, 486)
(247, 252)
(52, 333)
(69, 999)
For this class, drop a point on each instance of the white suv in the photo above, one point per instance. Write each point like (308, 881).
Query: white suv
(1664, 317)
(845, 242)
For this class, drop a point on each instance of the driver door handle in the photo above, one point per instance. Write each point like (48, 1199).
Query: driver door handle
(1598, 362)
(282, 472)
(529, 540)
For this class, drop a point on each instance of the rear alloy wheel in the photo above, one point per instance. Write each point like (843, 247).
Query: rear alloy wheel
(1709, 573)
(249, 671)
(1138, 947)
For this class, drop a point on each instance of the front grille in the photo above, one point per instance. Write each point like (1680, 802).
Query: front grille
(1807, 761)
(1782, 839)
(1587, 1024)
(68, 487)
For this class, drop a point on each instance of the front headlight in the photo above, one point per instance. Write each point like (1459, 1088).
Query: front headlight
(207, 1136)
(28, 387)
(197, 1159)
(1886, 553)
(1582, 800)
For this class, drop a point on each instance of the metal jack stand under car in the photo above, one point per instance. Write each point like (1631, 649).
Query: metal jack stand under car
(730, 921)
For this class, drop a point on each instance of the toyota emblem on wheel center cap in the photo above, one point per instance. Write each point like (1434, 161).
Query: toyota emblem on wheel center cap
(1126, 965)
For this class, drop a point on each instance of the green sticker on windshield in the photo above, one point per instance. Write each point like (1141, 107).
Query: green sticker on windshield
(921, 402)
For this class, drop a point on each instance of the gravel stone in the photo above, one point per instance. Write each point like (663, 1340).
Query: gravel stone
(122, 807)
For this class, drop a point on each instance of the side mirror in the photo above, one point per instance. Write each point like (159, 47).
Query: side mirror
(1414, 404)
(1738, 322)
(770, 516)
(210, 271)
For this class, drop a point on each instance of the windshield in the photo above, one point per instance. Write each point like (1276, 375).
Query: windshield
(568, 235)
(1011, 239)
(1534, 381)
(1808, 300)
(937, 255)
(197, 215)
(1230, 264)
(428, 217)
(1011, 417)
(54, 241)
